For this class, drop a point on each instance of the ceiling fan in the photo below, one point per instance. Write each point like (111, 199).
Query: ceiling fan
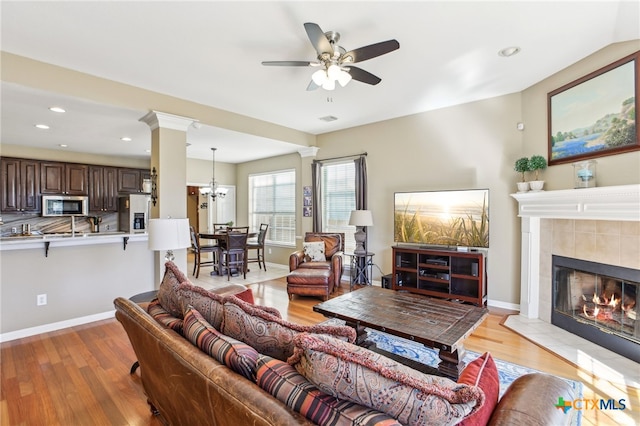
(335, 62)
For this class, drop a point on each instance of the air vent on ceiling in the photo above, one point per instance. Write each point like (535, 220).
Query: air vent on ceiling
(328, 118)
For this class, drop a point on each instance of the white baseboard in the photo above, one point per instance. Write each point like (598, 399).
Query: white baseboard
(504, 305)
(26, 332)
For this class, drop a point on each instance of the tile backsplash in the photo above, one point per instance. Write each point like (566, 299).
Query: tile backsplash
(12, 223)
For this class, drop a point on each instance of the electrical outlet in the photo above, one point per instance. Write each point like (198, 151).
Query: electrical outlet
(269, 251)
(41, 299)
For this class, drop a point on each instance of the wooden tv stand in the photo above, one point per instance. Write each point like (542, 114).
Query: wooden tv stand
(448, 274)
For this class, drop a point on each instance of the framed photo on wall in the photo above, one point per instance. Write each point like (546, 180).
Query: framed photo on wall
(595, 115)
(307, 201)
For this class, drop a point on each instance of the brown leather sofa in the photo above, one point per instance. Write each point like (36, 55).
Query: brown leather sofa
(187, 387)
(316, 278)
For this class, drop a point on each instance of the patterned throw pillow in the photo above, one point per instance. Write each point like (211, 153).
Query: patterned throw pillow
(482, 372)
(167, 294)
(269, 334)
(161, 315)
(283, 382)
(351, 372)
(236, 355)
(210, 305)
(314, 251)
(246, 295)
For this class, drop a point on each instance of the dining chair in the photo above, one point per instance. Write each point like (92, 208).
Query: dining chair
(258, 246)
(243, 229)
(220, 226)
(234, 255)
(198, 249)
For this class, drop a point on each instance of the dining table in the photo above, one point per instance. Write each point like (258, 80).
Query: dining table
(218, 235)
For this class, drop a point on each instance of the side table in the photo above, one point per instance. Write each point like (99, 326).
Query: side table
(142, 298)
(361, 268)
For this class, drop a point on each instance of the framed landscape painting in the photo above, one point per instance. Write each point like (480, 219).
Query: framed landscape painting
(595, 115)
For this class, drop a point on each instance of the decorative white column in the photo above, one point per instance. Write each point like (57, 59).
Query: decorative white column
(530, 267)
(169, 157)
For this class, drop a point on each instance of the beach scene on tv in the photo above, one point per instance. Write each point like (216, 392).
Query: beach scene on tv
(442, 218)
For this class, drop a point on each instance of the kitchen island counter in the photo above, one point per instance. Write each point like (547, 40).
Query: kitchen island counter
(50, 241)
(78, 278)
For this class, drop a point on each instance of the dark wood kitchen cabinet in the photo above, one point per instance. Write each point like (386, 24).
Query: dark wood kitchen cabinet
(20, 185)
(103, 189)
(64, 178)
(130, 180)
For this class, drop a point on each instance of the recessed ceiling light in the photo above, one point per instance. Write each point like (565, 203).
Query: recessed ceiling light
(57, 109)
(63, 145)
(508, 51)
(42, 126)
(125, 138)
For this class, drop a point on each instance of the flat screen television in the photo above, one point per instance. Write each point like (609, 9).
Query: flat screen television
(453, 218)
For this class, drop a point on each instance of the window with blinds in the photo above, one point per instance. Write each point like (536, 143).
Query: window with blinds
(272, 200)
(338, 182)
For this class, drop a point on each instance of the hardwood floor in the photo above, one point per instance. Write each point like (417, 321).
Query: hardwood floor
(80, 375)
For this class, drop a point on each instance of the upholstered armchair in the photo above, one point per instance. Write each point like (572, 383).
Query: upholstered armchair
(331, 253)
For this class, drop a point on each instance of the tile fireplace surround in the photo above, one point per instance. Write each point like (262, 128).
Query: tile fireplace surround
(596, 224)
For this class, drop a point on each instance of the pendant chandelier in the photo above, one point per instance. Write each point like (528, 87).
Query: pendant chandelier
(213, 189)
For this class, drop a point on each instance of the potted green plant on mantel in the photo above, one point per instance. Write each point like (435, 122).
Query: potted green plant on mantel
(522, 166)
(537, 163)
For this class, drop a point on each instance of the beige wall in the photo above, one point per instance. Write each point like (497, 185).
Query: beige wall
(611, 170)
(467, 146)
(79, 281)
(274, 254)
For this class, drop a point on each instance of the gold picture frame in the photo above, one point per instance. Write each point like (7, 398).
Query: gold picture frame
(595, 115)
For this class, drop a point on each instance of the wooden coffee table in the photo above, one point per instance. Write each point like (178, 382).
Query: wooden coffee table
(435, 323)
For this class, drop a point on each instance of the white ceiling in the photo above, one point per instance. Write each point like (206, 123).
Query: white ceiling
(210, 52)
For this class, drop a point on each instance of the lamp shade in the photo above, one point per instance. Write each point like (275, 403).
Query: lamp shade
(169, 234)
(361, 218)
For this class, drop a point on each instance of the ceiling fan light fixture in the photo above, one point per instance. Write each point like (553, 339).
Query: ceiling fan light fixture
(329, 84)
(344, 78)
(333, 72)
(319, 77)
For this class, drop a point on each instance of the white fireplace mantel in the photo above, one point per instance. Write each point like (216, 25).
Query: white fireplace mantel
(603, 203)
(600, 203)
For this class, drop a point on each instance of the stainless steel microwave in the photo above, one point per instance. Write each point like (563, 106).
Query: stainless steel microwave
(65, 205)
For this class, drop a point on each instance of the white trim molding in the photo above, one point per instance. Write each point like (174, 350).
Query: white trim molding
(603, 203)
(308, 151)
(157, 119)
(32, 331)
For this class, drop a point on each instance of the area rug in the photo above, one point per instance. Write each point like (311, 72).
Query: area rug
(507, 371)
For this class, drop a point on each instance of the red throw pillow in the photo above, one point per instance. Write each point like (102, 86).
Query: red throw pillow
(482, 372)
(246, 295)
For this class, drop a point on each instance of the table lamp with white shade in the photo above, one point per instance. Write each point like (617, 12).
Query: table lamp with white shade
(169, 234)
(360, 219)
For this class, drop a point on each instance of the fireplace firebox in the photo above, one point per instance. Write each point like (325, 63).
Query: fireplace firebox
(599, 303)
